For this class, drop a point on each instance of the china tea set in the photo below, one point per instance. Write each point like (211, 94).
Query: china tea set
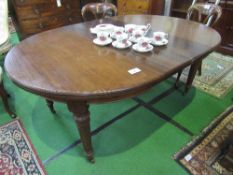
(124, 37)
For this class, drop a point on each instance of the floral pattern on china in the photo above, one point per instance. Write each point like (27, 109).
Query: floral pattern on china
(117, 31)
(128, 28)
(136, 34)
(143, 45)
(122, 42)
(159, 39)
(132, 33)
(102, 39)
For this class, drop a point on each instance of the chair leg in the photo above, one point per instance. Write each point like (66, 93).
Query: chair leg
(178, 78)
(4, 96)
(50, 105)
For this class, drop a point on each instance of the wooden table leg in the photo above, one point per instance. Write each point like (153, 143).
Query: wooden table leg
(4, 96)
(192, 73)
(50, 105)
(178, 78)
(82, 118)
(199, 69)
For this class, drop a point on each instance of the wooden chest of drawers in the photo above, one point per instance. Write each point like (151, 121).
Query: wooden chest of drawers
(133, 6)
(34, 16)
(155, 7)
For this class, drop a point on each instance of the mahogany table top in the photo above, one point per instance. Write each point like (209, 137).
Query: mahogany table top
(64, 63)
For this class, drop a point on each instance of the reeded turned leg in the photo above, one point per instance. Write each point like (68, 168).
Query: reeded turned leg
(50, 105)
(4, 96)
(178, 78)
(192, 72)
(82, 117)
(199, 69)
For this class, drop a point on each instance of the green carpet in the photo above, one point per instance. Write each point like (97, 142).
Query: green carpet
(137, 144)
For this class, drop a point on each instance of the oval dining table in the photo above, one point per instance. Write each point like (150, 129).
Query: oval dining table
(64, 65)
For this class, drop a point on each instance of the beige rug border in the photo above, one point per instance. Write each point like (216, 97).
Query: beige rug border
(214, 89)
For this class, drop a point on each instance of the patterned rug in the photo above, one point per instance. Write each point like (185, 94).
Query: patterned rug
(17, 155)
(217, 75)
(211, 153)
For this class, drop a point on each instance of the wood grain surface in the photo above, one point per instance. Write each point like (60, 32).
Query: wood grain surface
(63, 63)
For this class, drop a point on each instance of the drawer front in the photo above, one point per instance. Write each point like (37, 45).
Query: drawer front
(33, 26)
(28, 2)
(33, 2)
(45, 9)
(132, 12)
(133, 6)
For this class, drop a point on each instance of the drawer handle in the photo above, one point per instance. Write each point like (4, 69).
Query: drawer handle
(37, 11)
(229, 28)
(68, 6)
(41, 26)
(70, 19)
(55, 19)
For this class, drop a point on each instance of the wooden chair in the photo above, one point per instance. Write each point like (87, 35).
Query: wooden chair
(205, 13)
(98, 10)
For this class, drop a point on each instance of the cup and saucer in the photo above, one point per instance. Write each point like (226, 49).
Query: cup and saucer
(117, 32)
(102, 39)
(129, 28)
(143, 45)
(136, 34)
(122, 42)
(159, 39)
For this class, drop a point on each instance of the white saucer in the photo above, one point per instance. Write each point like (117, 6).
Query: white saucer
(101, 43)
(120, 45)
(141, 49)
(93, 30)
(159, 43)
(132, 39)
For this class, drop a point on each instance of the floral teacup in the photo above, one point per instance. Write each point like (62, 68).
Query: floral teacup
(144, 42)
(122, 39)
(137, 34)
(129, 28)
(102, 36)
(159, 36)
(118, 31)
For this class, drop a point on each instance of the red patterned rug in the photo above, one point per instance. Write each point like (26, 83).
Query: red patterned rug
(17, 154)
(211, 153)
